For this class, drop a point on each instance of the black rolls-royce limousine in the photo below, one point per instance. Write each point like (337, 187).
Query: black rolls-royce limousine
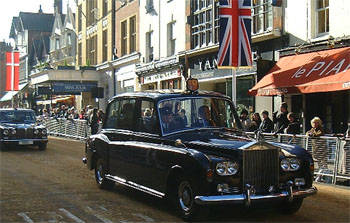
(19, 127)
(189, 147)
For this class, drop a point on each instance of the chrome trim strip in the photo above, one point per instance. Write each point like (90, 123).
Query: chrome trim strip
(19, 140)
(135, 186)
(241, 198)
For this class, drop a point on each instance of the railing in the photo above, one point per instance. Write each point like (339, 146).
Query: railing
(331, 154)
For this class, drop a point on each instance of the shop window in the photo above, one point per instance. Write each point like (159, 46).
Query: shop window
(132, 33)
(124, 38)
(105, 45)
(262, 16)
(149, 47)
(171, 39)
(322, 14)
(205, 23)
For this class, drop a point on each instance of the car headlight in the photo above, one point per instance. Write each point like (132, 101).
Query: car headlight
(5, 132)
(13, 131)
(290, 164)
(226, 168)
(36, 131)
(44, 131)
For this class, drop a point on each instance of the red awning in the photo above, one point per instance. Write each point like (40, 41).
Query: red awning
(322, 71)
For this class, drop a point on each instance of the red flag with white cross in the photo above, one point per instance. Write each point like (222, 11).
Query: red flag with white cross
(12, 71)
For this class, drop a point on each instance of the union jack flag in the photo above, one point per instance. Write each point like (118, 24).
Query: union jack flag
(235, 33)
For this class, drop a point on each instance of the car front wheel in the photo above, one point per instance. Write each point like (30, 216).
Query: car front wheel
(100, 175)
(184, 197)
(290, 208)
(42, 146)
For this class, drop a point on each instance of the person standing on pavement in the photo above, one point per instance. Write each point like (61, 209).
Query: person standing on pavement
(281, 119)
(245, 120)
(319, 151)
(256, 122)
(266, 124)
(293, 125)
(94, 121)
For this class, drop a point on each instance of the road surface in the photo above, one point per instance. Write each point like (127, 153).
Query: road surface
(54, 186)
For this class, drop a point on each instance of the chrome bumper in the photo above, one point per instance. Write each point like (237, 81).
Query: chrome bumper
(23, 140)
(247, 197)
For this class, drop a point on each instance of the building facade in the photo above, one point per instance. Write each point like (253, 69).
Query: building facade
(95, 28)
(318, 28)
(63, 39)
(162, 37)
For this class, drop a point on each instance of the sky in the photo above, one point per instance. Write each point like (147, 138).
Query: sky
(13, 7)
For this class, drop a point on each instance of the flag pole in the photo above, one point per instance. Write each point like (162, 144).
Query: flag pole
(234, 83)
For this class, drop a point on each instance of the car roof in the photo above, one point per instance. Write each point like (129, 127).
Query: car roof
(167, 94)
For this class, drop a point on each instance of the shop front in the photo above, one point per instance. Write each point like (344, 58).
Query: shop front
(313, 84)
(204, 68)
(160, 75)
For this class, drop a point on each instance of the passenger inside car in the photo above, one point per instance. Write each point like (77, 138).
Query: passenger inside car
(204, 119)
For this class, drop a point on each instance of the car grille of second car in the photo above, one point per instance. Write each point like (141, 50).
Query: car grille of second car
(261, 169)
(25, 133)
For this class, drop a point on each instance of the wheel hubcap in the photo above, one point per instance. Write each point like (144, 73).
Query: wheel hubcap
(99, 174)
(185, 196)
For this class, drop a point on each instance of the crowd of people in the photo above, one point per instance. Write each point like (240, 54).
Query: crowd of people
(92, 115)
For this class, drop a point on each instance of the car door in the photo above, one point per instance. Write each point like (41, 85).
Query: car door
(119, 125)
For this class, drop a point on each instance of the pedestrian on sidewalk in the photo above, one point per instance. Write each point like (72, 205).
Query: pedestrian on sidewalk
(94, 121)
(319, 148)
(281, 119)
(266, 124)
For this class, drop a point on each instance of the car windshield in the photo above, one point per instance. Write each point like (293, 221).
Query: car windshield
(181, 114)
(17, 116)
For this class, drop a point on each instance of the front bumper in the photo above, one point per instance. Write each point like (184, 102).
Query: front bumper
(24, 141)
(247, 198)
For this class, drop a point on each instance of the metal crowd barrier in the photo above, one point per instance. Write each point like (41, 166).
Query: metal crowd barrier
(331, 154)
(71, 128)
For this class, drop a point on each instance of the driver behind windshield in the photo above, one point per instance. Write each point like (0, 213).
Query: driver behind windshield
(204, 119)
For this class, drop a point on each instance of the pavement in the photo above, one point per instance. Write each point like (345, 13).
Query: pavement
(54, 186)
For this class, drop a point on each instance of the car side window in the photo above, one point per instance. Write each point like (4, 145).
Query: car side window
(113, 115)
(147, 121)
(121, 114)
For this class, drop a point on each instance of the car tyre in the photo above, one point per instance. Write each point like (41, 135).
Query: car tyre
(100, 175)
(290, 208)
(42, 146)
(2, 146)
(183, 197)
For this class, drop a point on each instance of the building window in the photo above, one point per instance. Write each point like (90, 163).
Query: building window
(124, 38)
(205, 23)
(171, 39)
(262, 16)
(105, 7)
(132, 33)
(79, 18)
(91, 12)
(149, 6)
(105, 46)
(57, 43)
(171, 84)
(80, 54)
(322, 10)
(149, 46)
(69, 39)
(91, 51)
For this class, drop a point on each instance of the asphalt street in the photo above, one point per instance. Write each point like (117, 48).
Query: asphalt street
(55, 186)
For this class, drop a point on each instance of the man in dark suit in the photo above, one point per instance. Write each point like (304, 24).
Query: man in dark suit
(266, 125)
(281, 119)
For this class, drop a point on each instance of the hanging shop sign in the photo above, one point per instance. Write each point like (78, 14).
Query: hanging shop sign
(72, 87)
(161, 76)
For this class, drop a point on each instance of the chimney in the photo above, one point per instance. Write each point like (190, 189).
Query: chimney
(40, 9)
(58, 6)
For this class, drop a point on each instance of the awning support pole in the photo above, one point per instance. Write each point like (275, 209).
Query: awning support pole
(234, 88)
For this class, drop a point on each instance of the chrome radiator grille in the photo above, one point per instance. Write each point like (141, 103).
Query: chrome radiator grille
(260, 168)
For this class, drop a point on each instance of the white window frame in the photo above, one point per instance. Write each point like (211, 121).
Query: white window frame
(317, 10)
(262, 12)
